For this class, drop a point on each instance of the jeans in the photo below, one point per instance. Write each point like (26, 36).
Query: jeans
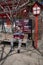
(19, 44)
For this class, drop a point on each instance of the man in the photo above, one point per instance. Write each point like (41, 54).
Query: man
(18, 35)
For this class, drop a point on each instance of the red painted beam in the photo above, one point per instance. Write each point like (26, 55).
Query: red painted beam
(36, 32)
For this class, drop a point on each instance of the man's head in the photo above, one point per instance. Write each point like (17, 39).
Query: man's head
(18, 28)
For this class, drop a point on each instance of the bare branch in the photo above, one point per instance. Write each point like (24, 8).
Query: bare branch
(17, 7)
(4, 11)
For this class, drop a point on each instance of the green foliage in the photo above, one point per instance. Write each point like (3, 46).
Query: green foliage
(31, 1)
(39, 0)
(35, 0)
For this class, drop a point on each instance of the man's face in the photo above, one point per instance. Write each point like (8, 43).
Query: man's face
(18, 28)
